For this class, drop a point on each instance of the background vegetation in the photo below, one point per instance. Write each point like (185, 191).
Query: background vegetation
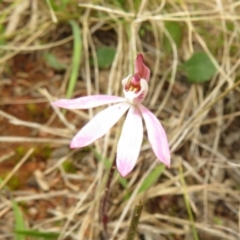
(65, 48)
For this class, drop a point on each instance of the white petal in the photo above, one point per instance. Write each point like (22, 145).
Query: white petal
(87, 101)
(125, 80)
(99, 125)
(156, 135)
(130, 142)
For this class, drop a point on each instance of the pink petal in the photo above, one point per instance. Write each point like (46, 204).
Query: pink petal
(156, 135)
(130, 142)
(141, 68)
(87, 101)
(99, 125)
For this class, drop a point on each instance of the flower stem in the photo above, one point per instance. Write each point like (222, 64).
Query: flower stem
(134, 222)
(103, 206)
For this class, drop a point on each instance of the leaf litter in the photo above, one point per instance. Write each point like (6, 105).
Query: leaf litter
(64, 198)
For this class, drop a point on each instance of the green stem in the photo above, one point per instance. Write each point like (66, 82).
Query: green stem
(134, 222)
(189, 211)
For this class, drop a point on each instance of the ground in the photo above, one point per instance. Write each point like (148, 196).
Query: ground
(50, 191)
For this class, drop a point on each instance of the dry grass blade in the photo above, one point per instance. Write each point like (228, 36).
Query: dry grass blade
(21, 162)
(59, 188)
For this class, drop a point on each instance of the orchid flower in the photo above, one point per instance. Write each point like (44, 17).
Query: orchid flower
(135, 88)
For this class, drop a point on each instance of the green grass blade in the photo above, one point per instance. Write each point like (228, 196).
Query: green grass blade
(77, 53)
(107, 164)
(123, 181)
(2, 30)
(189, 211)
(152, 178)
(37, 234)
(19, 221)
(52, 5)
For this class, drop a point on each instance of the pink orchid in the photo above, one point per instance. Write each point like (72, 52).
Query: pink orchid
(135, 89)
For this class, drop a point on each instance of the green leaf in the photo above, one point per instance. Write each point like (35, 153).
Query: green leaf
(64, 4)
(105, 56)
(137, 4)
(37, 234)
(106, 162)
(199, 68)
(57, 6)
(218, 220)
(69, 167)
(175, 31)
(19, 220)
(152, 178)
(53, 62)
(77, 54)
(123, 181)
(119, 3)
